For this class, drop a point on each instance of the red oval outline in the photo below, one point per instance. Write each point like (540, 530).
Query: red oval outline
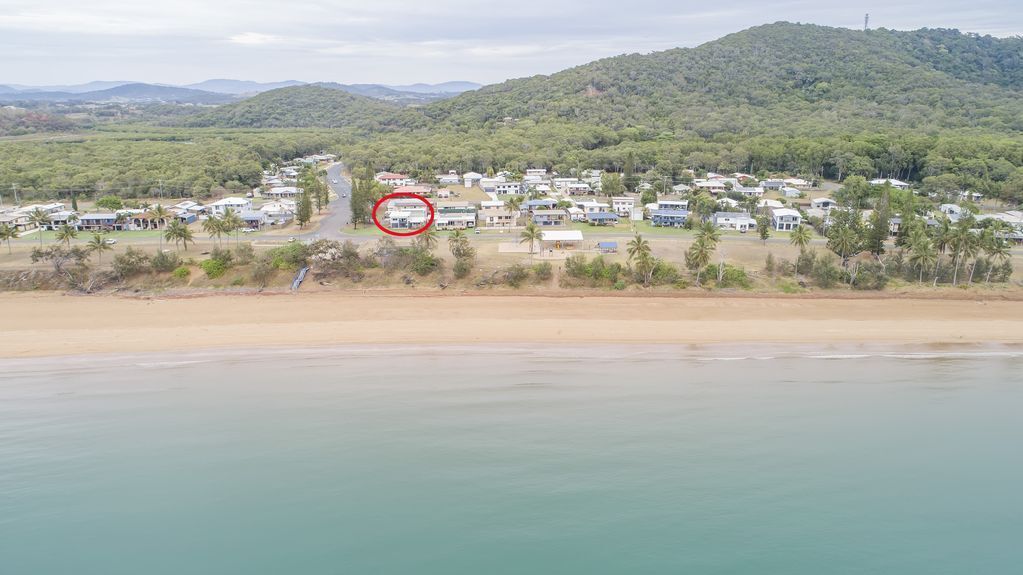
(395, 195)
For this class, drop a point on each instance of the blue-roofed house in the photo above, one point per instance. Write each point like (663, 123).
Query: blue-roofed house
(607, 247)
(602, 218)
(669, 218)
(539, 204)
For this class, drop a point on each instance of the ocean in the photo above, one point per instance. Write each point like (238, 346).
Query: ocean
(501, 460)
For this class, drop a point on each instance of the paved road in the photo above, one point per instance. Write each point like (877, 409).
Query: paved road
(340, 208)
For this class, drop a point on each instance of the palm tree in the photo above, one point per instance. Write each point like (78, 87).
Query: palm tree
(456, 240)
(708, 234)
(922, 253)
(99, 245)
(160, 214)
(800, 237)
(997, 249)
(428, 239)
(531, 234)
(514, 204)
(232, 223)
(8, 233)
(66, 233)
(844, 241)
(39, 218)
(638, 247)
(214, 226)
(964, 244)
(179, 233)
(698, 256)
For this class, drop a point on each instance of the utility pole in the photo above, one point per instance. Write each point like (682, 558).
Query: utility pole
(14, 188)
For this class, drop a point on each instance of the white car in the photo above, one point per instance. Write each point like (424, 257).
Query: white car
(334, 181)
(110, 241)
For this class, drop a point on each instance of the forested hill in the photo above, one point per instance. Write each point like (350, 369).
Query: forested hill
(309, 106)
(790, 77)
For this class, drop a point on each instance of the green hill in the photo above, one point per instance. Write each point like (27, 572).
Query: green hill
(308, 106)
(777, 77)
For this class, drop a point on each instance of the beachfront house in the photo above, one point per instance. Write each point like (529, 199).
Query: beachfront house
(785, 219)
(669, 218)
(772, 185)
(454, 216)
(623, 206)
(99, 221)
(897, 184)
(739, 221)
(220, 207)
(497, 217)
(539, 204)
(602, 218)
(282, 193)
(62, 218)
(823, 204)
(470, 179)
(550, 218)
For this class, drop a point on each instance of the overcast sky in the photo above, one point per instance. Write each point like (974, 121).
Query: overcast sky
(404, 41)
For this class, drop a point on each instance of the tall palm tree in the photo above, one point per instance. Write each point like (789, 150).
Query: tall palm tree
(997, 249)
(99, 245)
(844, 242)
(514, 204)
(160, 214)
(456, 241)
(708, 234)
(964, 244)
(428, 239)
(233, 223)
(698, 256)
(179, 233)
(922, 254)
(66, 233)
(637, 247)
(800, 237)
(214, 226)
(531, 234)
(39, 218)
(8, 233)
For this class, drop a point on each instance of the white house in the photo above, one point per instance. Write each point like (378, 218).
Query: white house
(770, 204)
(672, 205)
(893, 183)
(791, 192)
(220, 207)
(592, 207)
(623, 206)
(799, 183)
(823, 203)
(449, 178)
(497, 216)
(509, 188)
(282, 193)
(728, 203)
(470, 179)
(577, 188)
(785, 219)
(681, 188)
(739, 221)
(711, 186)
(536, 172)
(394, 180)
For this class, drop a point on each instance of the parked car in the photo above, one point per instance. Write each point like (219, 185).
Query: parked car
(110, 241)
(334, 181)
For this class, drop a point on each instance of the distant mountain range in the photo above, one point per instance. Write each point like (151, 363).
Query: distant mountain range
(217, 91)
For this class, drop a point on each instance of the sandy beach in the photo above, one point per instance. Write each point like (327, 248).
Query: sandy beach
(41, 324)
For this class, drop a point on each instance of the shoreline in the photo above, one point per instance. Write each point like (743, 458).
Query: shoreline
(50, 324)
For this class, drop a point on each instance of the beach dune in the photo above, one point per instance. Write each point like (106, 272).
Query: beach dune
(40, 324)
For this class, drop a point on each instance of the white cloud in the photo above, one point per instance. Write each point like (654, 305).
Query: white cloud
(255, 39)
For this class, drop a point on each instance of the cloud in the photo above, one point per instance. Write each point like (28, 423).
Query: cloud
(255, 39)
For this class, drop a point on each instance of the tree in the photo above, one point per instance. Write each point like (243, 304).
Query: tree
(458, 241)
(921, 253)
(65, 234)
(800, 237)
(179, 233)
(611, 183)
(845, 242)
(764, 227)
(98, 244)
(8, 233)
(305, 210)
(996, 248)
(232, 223)
(964, 244)
(698, 256)
(160, 214)
(74, 202)
(111, 203)
(532, 234)
(428, 240)
(39, 219)
(709, 235)
(638, 247)
(880, 222)
(214, 226)
(629, 178)
(514, 203)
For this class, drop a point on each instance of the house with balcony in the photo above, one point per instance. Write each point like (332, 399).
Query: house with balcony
(785, 219)
(550, 218)
(738, 221)
(669, 218)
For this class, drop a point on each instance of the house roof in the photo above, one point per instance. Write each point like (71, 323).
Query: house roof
(549, 212)
(607, 245)
(562, 236)
(676, 213)
(602, 216)
(781, 212)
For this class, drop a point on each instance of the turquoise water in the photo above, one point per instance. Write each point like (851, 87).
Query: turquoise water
(491, 461)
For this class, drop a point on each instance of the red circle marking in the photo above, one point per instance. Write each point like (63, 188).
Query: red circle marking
(380, 202)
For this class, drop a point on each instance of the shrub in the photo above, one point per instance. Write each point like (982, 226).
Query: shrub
(734, 277)
(664, 273)
(132, 262)
(181, 272)
(463, 267)
(223, 256)
(264, 270)
(423, 262)
(213, 268)
(806, 261)
(825, 273)
(290, 256)
(165, 262)
(244, 254)
(869, 276)
(515, 275)
(543, 271)
(619, 285)
(769, 264)
(575, 266)
(238, 282)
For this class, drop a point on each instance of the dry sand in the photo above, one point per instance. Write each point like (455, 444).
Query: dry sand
(40, 324)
